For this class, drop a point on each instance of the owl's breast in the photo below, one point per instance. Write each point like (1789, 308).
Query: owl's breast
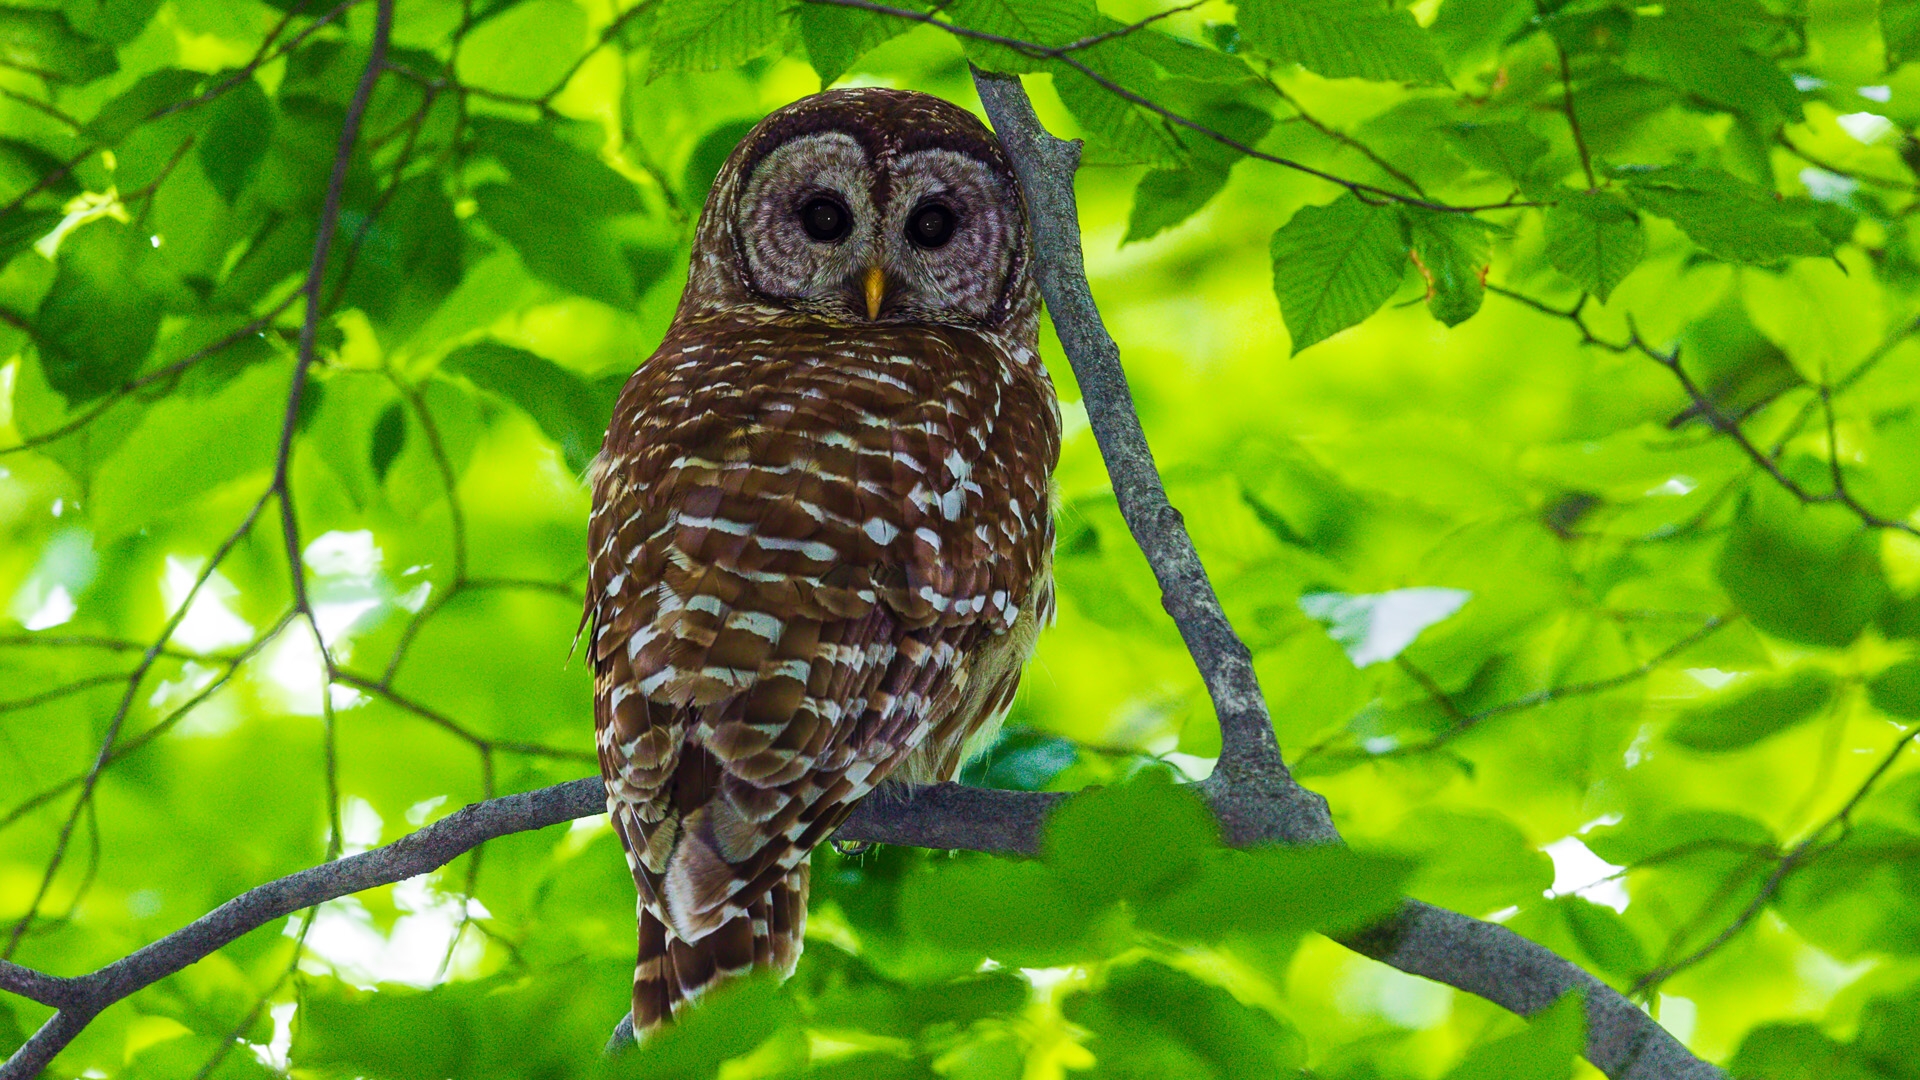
(843, 466)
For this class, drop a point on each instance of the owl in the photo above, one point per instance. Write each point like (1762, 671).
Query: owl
(821, 540)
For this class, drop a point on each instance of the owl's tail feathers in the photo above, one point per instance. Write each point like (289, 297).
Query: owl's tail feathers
(670, 972)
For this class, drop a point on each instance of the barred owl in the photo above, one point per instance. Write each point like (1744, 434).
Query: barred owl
(821, 541)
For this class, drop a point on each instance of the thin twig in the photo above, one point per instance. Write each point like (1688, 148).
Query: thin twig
(1300, 113)
(1812, 845)
(46, 108)
(1573, 117)
(1708, 410)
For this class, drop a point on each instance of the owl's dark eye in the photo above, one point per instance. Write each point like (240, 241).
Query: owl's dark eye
(825, 219)
(931, 226)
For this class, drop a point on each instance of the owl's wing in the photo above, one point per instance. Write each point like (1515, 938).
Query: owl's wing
(790, 578)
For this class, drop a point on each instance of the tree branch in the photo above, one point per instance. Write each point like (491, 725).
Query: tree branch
(1250, 789)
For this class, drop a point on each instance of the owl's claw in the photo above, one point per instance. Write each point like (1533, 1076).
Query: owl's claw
(851, 847)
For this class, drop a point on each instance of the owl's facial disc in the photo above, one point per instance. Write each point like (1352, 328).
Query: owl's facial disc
(921, 236)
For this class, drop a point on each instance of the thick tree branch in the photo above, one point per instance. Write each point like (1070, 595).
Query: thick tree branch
(1249, 757)
(1251, 790)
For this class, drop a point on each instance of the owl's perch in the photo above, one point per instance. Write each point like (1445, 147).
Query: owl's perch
(1251, 790)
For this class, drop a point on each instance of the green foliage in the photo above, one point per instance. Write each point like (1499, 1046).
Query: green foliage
(702, 35)
(1341, 39)
(570, 410)
(239, 130)
(1151, 1020)
(1544, 1051)
(1729, 218)
(1806, 573)
(1451, 253)
(98, 321)
(1755, 709)
(1594, 239)
(1335, 265)
(1513, 590)
(44, 43)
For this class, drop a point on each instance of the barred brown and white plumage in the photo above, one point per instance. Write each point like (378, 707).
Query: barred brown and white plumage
(821, 536)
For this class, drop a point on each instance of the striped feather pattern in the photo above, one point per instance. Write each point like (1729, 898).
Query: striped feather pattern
(819, 556)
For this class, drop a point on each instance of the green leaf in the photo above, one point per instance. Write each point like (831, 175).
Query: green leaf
(1042, 22)
(155, 91)
(11, 1037)
(1595, 239)
(1605, 937)
(1342, 39)
(1181, 58)
(24, 165)
(1334, 265)
(526, 49)
(239, 129)
(733, 1020)
(1545, 1051)
(22, 229)
(1282, 892)
(1021, 760)
(559, 169)
(1755, 708)
(1150, 1020)
(1900, 30)
(1728, 217)
(389, 438)
(705, 35)
(1900, 617)
(1668, 47)
(1019, 913)
(836, 36)
(1470, 32)
(1809, 574)
(409, 258)
(1859, 897)
(1796, 1052)
(1121, 130)
(1167, 197)
(582, 255)
(1890, 1029)
(1641, 838)
(1379, 626)
(711, 152)
(1896, 690)
(572, 411)
(117, 22)
(1129, 842)
(1508, 148)
(1472, 863)
(97, 325)
(185, 447)
(1451, 252)
(43, 42)
(575, 222)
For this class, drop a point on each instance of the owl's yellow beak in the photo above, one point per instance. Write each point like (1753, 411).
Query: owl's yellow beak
(876, 285)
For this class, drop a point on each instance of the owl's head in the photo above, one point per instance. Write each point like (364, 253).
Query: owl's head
(868, 206)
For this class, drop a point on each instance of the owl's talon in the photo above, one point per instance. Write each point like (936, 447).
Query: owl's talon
(851, 847)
